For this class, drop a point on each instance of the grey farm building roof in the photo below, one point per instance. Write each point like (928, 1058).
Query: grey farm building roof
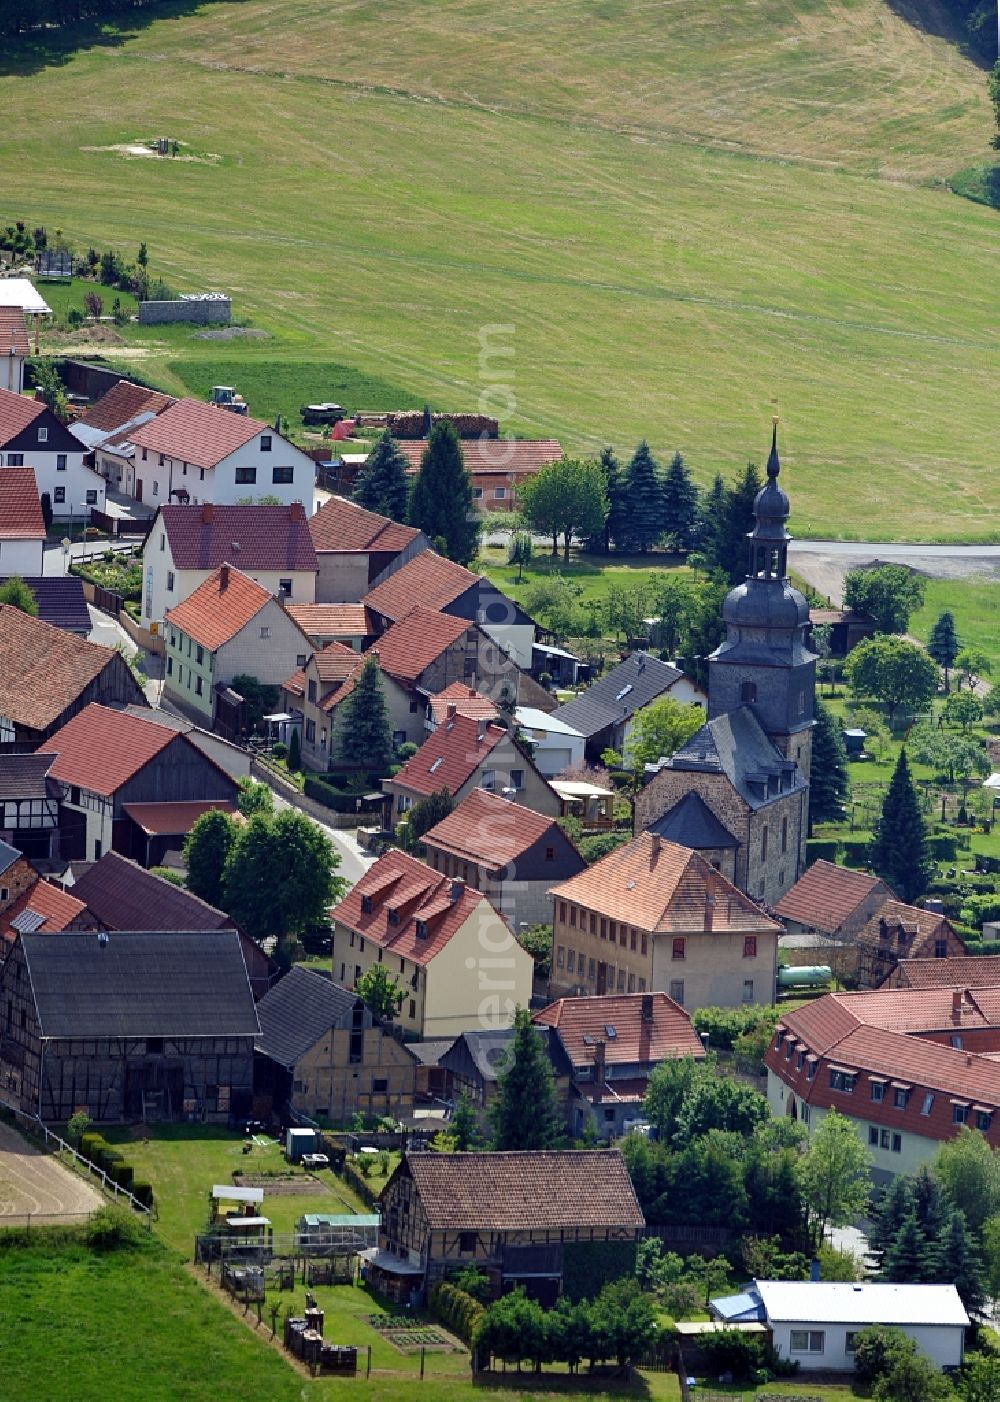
(297, 1011)
(140, 985)
(617, 695)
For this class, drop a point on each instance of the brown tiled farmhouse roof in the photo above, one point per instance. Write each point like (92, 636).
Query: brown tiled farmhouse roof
(973, 971)
(825, 896)
(664, 888)
(100, 749)
(666, 1033)
(507, 457)
(197, 433)
(341, 526)
(922, 924)
(171, 819)
(418, 896)
(122, 403)
(450, 756)
(408, 647)
(428, 579)
(43, 669)
(337, 668)
(250, 537)
(332, 620)
(16, 413)
(520, 1191)
(122, 896)
(20, 505)
(489, 830)
(13, 333)
(223, 604)
(467, 702)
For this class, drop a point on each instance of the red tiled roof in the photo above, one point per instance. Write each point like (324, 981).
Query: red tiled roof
(100, 749)
(467, 702)
(120, 895)
(524, 1191)
(664, 888)
(122, 403)
(332, 620)
(340, 525)
(336, 667)
(43, 669)
(919, 926)
(515, 457)
(409, 646)
(197, 433)
(13, 333)
(217, 610)
(666, 1033)
(20, 505)
(489, 830)
(399, 882)
(449, 758)
(428, 579)
(16, 413)
(826, 895)
(56, 906)
(174, 819)
(973, 971)
(250, 537)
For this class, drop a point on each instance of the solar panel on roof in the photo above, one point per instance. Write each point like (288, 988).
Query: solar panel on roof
(27, 922)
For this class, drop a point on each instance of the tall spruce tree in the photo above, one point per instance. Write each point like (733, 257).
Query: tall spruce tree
(382, 485)
(899, 850)
(708, 523)
(828, 783)
(906, 1257)
(441, 503)
(614, 490)
(366, 737)
(524, 1114)
(732, 553)
(960, 1263)
(892, 1211)
(680, 503)
(943, 645)
(643, 506)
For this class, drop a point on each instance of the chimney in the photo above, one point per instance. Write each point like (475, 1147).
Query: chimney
(296, 511)
(223, 577)
(472, 692)
(457, 891)
(956, 1005)
(647, 1007)
(600, 1062)
(709, 913)
(657, 845)
(480, 732)
(452, 710)
(208, 513)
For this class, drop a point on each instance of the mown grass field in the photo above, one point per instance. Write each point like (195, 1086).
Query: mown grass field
(689, 217)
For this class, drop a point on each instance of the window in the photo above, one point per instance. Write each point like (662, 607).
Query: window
(811, 1070)
(156, 487)
(467, 1243)
(265, 442)
(311, 691)
(748, 990)
(571, 961)
(621, 980)
(849, 1339)
(677, 990)
(678, 950)
(413, 1010)
(198, 686)
(246, 475)
(928, 1104)
(380, 1086)
(43, 435)
(959, 1113)
(517, 778)
(562, 911)
(842, 1081)
(897, 1143)
(60, 462)
(593, 923)
(162, 460)
(878, 1092)
(15, 459)
(282, 475)
(60, 495)
(940, 949)
(477, 493)
(92, 498)
(499, 493)
(265, 631)
(885, 1139)
(311, 731)
(170, 666)
(550, 854)
(572, 916)
(800, 1061)
(591, 969)
(763, 843)
(900, 1098)
(784, 835)
(749, 946)
(154, 1046)
(201, 654)
(144, 455)
(789, 1048)
(955, 1040)
(807, 1341)
(748, 693)
(631, 983)
(804, 1113)
(366, 909)
(873, 1136)
(983, 1119)
(645, 944)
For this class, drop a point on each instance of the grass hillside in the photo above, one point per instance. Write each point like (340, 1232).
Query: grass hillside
(691, 215)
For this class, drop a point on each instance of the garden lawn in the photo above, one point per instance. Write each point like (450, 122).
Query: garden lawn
(592, 575)
(679, 227)
(183, 1162)
(975, 604)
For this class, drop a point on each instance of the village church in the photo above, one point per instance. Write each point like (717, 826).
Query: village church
(738, 790)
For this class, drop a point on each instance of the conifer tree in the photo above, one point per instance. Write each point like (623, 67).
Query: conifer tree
(943, 645)
(463, 1125)
(366, 737)
(890, 1214)
(904, 1260)
(732, 553)
(643, 504)
(828, 784)
(524, 1114)
(899, 850)
(441, 503)
(680, 503)
(708, 523)
(382, 485)
(961, 1264)
(614, 490)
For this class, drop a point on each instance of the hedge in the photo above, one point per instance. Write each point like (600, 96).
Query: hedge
(943, 847)
(330, 797)
(856, 852)
(456, 1309)
(142, 1191)
(724, 1025)
(821, 849)
(112, 1161)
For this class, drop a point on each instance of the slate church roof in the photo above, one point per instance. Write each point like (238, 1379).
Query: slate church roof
(735, 744)
(693, 824)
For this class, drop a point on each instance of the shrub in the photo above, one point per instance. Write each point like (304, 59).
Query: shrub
(877, 1349)
(732, 1351)
(943, 847)
(122, 1173)
(856, 852)
(113, 1228)
(457, 1310)
(89, 1144)
(821, 848)
(681, 1299)
(142, 1191)
(77, 1127)
(725, 1025)
(279, 749)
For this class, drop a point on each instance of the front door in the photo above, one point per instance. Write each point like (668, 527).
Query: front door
(138, 489)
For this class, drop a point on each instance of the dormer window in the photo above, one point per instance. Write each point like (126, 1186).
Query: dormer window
(366, 905)
(393, 917)
(421, 929)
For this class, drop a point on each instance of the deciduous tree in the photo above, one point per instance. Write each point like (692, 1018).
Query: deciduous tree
(18, 595)
(963, 708)
(565, 498)
(380, 991)
(969, 1171)
(973, 663)
(835, 1174)
(660, 729)
(893, 671)
(206, 849)
(887, 593)
(441, 504)
(279, 875)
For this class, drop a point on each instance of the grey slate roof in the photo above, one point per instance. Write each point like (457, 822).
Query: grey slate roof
(8, 856)
(23, 776)
(735, 744)
(641, 677)
(61, 601)
(297, 1011)
(140, 985)
(429, 1053)
(486, 1052)
(693, 824)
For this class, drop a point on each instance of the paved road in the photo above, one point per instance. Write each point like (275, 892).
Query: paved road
(825, 562)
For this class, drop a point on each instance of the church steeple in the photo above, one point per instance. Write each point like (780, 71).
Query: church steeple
(769, 538)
